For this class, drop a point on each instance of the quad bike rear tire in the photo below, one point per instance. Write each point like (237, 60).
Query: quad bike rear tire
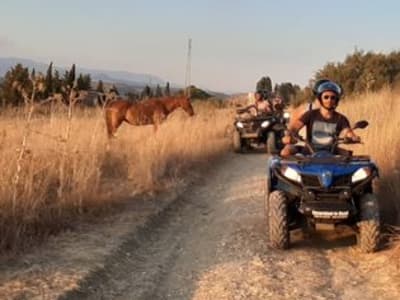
(277, 215)
(369, 225)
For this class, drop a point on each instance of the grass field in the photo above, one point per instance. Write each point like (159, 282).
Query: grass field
(55, 168)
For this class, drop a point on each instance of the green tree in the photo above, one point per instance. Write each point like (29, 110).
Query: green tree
(364, 71)
(167, 91)
(100, 87)
(16, 81)
(83, 82)
(69, 77)
(196, 93)
(158, 92)
(57, 82)
(264, 84)
(72, 75)
(287, 91)
(146, 92)
(79, 82)
(114, 89)
(48, 89)
(132, 96)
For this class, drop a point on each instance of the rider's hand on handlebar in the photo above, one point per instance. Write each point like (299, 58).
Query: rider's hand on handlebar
(352, 140)
(288, 139)
(355, 139)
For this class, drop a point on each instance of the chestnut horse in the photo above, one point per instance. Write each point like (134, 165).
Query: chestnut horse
(151, 111)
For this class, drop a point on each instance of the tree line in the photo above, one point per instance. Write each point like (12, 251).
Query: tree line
(18, 84)
(360, 72)
(157, 91)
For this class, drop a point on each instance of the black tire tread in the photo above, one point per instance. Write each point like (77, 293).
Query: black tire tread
(369, 225)
(277, 220)
(237, 143)
(271, 143)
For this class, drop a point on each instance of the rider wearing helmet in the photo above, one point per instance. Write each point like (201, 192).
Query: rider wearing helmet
(321, 123)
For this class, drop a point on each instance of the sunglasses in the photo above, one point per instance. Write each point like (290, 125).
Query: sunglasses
(327, 97)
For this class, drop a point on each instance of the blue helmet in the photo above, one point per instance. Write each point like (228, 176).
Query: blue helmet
(325, 85)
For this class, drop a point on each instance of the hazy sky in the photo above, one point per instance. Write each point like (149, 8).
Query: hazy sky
(234, 42)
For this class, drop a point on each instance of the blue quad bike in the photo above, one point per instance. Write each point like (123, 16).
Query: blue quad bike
(322, 188)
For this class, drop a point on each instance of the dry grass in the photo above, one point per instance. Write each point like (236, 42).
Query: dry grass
(381, 141)
(91, 171)
(94, 173)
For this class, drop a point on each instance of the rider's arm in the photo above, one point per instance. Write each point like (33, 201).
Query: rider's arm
(295, 126)
(292, 131)
(245, 109)
(346, 130)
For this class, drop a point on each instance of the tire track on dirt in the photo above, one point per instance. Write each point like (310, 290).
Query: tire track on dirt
(212, 244)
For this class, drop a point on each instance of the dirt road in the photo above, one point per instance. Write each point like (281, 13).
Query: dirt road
(211, 244)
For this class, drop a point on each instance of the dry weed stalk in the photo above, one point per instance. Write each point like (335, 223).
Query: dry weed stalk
(64, 141)
(29, 102)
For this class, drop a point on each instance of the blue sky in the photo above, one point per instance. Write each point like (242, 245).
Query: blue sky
(234, 42)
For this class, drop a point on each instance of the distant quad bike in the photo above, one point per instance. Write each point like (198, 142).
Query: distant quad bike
(322, 188)
(263, 130)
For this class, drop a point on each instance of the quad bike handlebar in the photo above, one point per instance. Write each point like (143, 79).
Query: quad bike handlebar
(337, 140)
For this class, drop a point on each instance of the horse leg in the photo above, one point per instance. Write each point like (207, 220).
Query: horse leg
(158, 117)
(113, 121)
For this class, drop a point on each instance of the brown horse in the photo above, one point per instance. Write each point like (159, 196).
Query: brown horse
(151, 111)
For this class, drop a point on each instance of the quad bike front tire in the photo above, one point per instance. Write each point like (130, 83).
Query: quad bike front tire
(271, 143)
(369, 225)
(237, 142)
(277, 215)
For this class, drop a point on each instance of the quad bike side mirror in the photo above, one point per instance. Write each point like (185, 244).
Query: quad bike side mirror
(360, 124)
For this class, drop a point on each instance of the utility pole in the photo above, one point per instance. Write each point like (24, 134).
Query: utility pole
(188, 68)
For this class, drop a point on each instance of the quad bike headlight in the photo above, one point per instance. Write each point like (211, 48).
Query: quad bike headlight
(361, 174)
(239, 124)
(290, 173)
(265, 124)
(286, 115)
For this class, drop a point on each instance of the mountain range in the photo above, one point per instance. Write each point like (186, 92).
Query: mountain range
(136, 80)
(124, 81)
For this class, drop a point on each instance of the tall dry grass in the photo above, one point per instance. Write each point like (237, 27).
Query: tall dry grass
(92, 171)
(382, 141)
